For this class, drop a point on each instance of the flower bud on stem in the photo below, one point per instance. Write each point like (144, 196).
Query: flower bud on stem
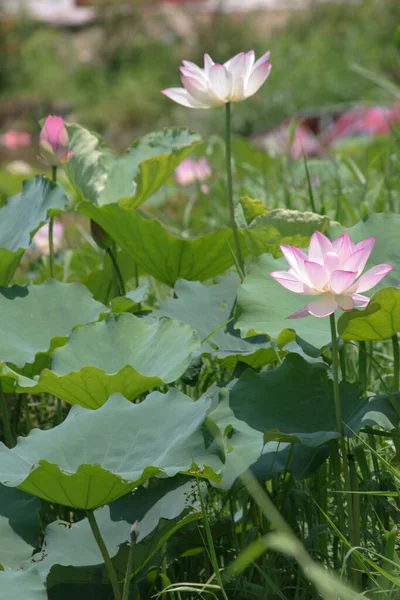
(130, 564)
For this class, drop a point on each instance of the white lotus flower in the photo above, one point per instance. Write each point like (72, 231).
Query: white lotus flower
(216, 85)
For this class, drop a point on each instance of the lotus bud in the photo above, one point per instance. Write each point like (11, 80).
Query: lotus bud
(54, 142)
(101, 237)
(134, 532)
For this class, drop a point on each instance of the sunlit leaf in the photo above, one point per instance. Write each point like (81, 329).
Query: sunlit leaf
(95, 457)
(123, 354)
(379, 321)
(31, 317)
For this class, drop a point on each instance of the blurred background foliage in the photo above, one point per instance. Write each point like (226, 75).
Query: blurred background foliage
(109, 73)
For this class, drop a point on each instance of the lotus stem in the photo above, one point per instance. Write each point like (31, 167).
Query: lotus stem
(120, 285)
(51, 224)
(104, 552)
(130, 564)
(234, 227)
(8, 436)
(396, 363)
(353, 527)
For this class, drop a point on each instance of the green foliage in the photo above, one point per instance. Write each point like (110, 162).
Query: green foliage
(123, 355)
(97, 456)
(34, 317)
(308, 414)
(21, 216)
(19, 526)
(379, 321)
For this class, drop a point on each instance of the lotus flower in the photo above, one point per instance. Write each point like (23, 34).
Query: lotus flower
(41, 238)
(54, 142)
(216, 85)
(190, 171)
(332, 270)
(12, 139)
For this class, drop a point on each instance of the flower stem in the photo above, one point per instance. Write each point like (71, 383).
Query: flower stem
(104, 552)
(51, 224)
(396, 363)
(129, 569)
(362, 365)
(112, 253)
(231, 205)
(8, 436)
(210, 542)
(353, 526)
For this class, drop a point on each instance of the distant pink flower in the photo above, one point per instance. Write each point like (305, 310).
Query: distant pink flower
(54, 142)
(331, 270)
(190, 171)
(362, 121)
(216, 85)
(12, 139)
(41, 238)
(280, 141)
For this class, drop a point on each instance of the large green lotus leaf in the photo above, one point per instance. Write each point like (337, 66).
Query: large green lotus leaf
(19, 526)
(385, 228)
(379, 321)
(31, 317)
(243, 444)
(70, 554)
(146, 165)
(300, 460)
(295, 403)
(21, 216)
(89, 166)
(98, 174)
(75, 546)
(208, 308)
(94, 457)
(169, 258)
(244, 447)
(282, 226)
(159, 253)
(22, 585)
(122, 354)
(264, 305)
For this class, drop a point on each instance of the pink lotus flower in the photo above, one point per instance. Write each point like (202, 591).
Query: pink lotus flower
(41, 238)
(280, 141)
(216, 85)
(331, 270)
(54, 142)
(190, 171)
(12, 139)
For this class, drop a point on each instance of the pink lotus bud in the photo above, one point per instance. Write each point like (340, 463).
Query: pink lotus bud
(54, 142)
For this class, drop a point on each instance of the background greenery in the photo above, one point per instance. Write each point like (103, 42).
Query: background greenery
(108, 76)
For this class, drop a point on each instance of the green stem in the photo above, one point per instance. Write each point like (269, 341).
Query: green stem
(51, 225)
(396, 363)
(362, 365)
(8, 436)
(112, 253)
(231, 205)
(335, 462)
(342, 443)
(129, 567)
(104, 552)
(211, 547)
